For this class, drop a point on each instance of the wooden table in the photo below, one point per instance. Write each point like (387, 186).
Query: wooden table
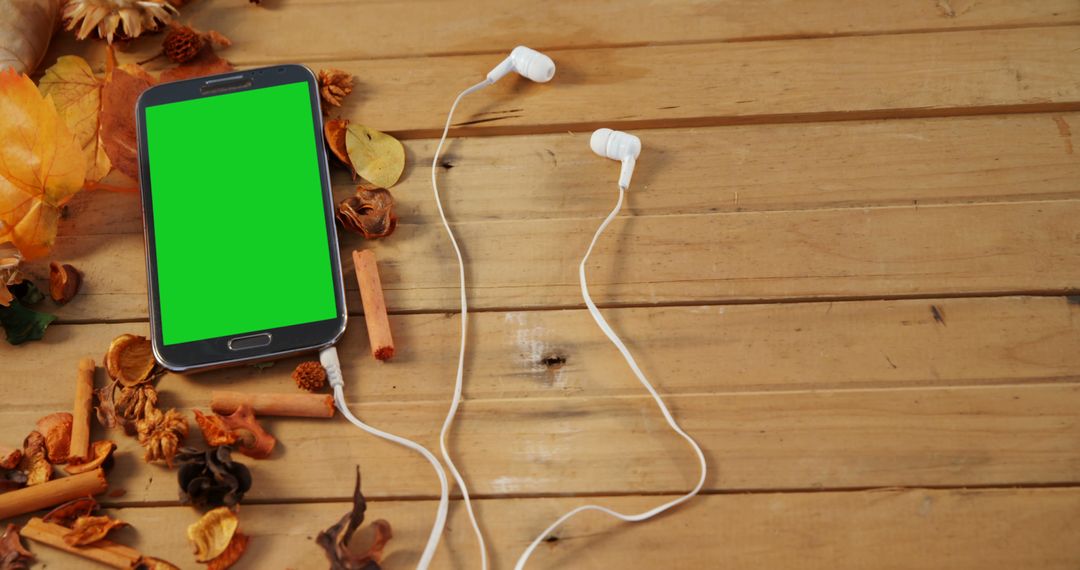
(845, 260)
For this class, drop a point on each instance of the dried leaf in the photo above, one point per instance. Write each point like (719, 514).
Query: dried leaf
(116, 19)
(64, 282)
(89, 529)
(67, 513)
(214, 430)
(232, 553)
(130, 359)
(335, 540)
(334, 129)
(106, 407)
(25, 31)
(376, 156)
(77, 94)
(253, 441)
(37, 468)
(100, 453)
(211, 534)
(122, 88)
(21, 324)
(41, 166)
(207, 62)
(161, 433)
(369, 213)
(13, 555)
(56, 428)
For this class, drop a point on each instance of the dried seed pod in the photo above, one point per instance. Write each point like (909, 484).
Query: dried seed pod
(369, 213)
(161, 433)
(56, 428)
(210, 535)
(133, 401)
(130, 359)
(64, 281)
(310, 375)
(34, 463)
(252, 440)
(214, 430)
(182, 43)
(100, 454)
(334, 85)
(211, 477)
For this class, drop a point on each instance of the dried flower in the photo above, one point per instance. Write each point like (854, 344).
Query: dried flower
(252, 440)
(210, 535)
(211, 477)
(335, 540)
(334, 85)
(88, 529)
(100, 455)
(56, 428)
(67, 513)
(310, 375)
(64, 281)
(34, 463)
(116, 19)
(182, 43)
(133, 401)
(13, 556)
(214, 430)
(130, 359)
(369, 213)
(9, 457)
(161, 433)
(232, 553)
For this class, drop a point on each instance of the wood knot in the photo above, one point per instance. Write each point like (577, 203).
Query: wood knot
(553, 361)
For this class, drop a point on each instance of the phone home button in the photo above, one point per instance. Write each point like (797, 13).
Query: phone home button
(250, 341)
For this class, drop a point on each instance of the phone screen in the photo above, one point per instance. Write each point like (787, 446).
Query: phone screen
(238, 214)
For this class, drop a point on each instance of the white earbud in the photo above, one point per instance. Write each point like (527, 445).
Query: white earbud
(526, 62)
(620, 146)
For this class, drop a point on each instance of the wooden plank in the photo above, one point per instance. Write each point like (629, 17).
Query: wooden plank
(714, 169)
(944, 250)
(829, 439)
(884, 529)
(686, 350)
(365, 30)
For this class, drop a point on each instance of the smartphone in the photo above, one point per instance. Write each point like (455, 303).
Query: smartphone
(242, 256)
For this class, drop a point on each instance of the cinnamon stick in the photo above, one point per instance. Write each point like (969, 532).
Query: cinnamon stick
(9, 457)
(371, 294)
(84, 399)
(104, 551)
(52, 493)
(296, 405)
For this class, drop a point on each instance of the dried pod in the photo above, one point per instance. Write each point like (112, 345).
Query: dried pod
(369, 213)
(310, 375)
(34, 463)
(88, 529)
(64, 281)
(161, 433)
(211, 478)
(116, 19)
(130, 359)
(182, 43)
(133, 401)
(56, 428)
(106, 408)
(13, 555)
(253, 441)
(334, 85)
(12, 479)
(335, 540)
(215, 432)
(67, 513)
(210, 535)
(100, 454)
(9, 457)
(232, 553)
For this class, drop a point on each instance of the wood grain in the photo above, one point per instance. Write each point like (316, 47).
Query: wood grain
(889, 529)
(940, 250)
(685, 350)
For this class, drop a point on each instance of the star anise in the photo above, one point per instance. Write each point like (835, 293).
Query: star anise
(161, 433)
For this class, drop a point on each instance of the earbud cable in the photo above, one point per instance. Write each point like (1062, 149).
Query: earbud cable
(329, 359)
(455, 401)
(599, 318)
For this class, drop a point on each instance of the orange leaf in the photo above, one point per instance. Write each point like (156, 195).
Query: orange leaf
(77, 94)
(232, 553)
(335, 139)
(122, 88)
(41, 166)
(206, 63)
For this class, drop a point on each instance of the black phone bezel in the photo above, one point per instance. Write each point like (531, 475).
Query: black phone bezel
(215, 352)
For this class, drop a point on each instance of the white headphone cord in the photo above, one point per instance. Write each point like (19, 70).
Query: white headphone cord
(599, 318)
(455, 401)
(329, 359)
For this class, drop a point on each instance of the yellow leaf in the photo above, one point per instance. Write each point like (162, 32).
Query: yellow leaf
(41, 166)
(77, 94)
(377, 157)
(210, 536)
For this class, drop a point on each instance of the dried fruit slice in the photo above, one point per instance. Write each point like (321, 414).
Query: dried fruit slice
(64, 282)
(130, 359)
(232, 553)
(88, 530)
(34, 464)
(211, 534)
(214, 429)
(100, 452)
(252, 440)
(56, 428)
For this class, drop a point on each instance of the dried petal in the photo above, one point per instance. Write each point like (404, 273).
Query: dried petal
(334, 131)
(210, 535)
(9, 457)
(13, 555)
(215, 432)
(334, 85)
(67, 513)
(130, 359)
(133, 401)
(253, 440)
(89, 529)
(34, 463)
(64, 282)
(232, 553)
(116, 20)
(100, 452)
(161, 433)
(369, 213)
(56, 428)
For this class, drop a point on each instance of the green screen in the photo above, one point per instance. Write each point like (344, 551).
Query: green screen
(238, 214)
